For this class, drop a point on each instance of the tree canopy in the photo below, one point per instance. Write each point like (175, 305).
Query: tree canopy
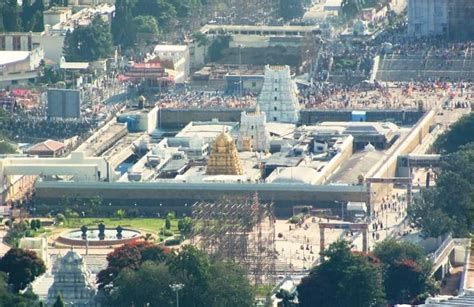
(458, 134)
(148, 16)
(6, 148)
(28, 17)
(342, 279)
(405, 270)
(291, 9)
(449, 206)
(22, 267)
(89, 43)
(141, 273)
(8, 298)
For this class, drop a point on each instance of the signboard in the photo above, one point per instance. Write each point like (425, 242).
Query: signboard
(63, 103)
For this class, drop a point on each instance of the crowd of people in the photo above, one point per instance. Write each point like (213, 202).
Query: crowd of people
(201, 99)
(32, 129)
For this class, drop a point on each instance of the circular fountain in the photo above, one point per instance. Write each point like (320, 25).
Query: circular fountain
(99, 237)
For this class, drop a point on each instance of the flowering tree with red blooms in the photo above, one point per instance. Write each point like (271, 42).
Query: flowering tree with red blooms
(130, 256)
(406, 272)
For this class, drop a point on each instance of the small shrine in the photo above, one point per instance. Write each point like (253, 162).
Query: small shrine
(73, 281)
(224, 159)
(253, 134)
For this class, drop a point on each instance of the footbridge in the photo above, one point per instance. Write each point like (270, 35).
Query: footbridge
(406, 163)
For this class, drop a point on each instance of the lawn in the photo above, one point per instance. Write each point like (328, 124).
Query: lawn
(152, 225)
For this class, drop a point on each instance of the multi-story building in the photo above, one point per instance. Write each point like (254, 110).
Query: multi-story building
(19, 66)
(177, 58)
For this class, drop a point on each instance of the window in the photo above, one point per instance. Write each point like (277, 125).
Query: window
(276, 98)
(275, 108)
(251, 127)
(251, 137)
(2, 43)
(276, 89)
(254, 84)
(274, 118)
(16, 43)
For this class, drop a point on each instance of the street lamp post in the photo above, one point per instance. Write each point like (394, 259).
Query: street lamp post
(342, 209)
(176, 288)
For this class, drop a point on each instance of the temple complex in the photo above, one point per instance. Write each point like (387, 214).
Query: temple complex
(73, 281)
(278, 98)
(224, 159)
(253, 134)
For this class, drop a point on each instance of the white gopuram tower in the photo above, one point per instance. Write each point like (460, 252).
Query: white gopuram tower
(253, 133)
(278, 98)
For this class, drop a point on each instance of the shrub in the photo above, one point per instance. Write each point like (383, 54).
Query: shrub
(166, 232)
(295, 219)
(167, 223)
(173, 241)
(60, 218)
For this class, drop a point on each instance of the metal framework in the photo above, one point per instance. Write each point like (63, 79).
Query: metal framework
(242, 231)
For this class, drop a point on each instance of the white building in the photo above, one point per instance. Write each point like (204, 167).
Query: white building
(56, 15)
(278, 98)
(177, 56)
(19, 66)
(427, 17)
(253, 129)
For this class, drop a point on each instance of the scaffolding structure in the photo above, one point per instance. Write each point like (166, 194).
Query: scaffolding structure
(241, 231)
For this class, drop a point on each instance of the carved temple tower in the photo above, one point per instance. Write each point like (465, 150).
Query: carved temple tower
(279, 95)
(73, 281)
(224, 159)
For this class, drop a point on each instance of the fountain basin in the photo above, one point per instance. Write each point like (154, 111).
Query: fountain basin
(74, 237)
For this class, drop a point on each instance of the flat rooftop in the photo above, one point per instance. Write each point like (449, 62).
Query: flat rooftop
(358, 164)
(9, 57)
(205, 130)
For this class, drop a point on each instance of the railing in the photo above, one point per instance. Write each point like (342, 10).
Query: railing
(447, 243)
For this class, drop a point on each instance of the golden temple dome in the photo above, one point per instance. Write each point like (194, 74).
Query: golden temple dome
(224, 139)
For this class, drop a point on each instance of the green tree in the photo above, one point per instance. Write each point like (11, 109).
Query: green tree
(6, 148)
(350, 8)
(122, 32)
(291, 9)
(185, 226)
(200, 38)
(229, 286)
(22, 267)
(457, 135)
(287, 299)
(426, 216)
(11, 16)
(120, 214)
(451, 202)
(163, 11)
(148, 284)
(130, 256)
(218, 44)
(185, 8)
(89, 43)
(342, 279)
(7, 298)
(59, 301)
(406, 271)
(192, 268)
(145, 24)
